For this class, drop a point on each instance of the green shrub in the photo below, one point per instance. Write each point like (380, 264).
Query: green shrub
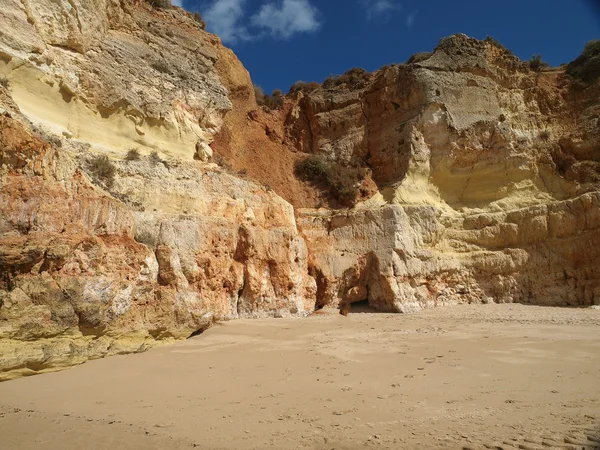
(102, 170)
(133, 154)
(536, 64)
(418, 57)
(342, 182)
(587, 65)
(164, 4)
(312, 168)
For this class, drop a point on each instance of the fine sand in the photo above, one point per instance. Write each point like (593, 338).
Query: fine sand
(489, 376)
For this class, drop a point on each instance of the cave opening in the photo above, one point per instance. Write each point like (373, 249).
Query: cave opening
(362, 307)
(358, 307)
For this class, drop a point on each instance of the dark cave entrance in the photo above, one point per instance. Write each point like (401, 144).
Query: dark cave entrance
(361, 307)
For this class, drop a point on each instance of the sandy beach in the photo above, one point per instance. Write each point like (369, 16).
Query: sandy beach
(473, 376)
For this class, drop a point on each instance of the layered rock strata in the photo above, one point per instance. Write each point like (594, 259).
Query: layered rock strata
(489, 184)
(105, 256)
(115, 74)
(113, 239)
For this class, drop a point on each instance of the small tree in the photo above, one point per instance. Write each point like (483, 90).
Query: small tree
(329, 82)
(273, 101)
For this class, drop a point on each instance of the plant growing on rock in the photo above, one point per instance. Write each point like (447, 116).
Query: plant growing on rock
(536, 64)
(312, 168)
(102, 170)
(133, 154)
(222, 162)
(4, 82)
(199, 20)
(301, 86)
(495, 43)
(342, 182)
(587, 65)
(273, 101)
(355, 78)
(418, 57)
(155, 158)
(544, 135)
(163, 4)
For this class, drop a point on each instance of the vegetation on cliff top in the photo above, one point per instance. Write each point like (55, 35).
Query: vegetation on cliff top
(272, 101)
(587, 66)
(354, 78)
(164, 4)
(537, 64)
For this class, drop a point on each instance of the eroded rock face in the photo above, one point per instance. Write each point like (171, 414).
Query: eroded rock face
(489, 184)
(114, 74)
(171, 247)
(405, 258)
(487, 178)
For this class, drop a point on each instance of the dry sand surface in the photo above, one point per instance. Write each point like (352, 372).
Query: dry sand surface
(490, 376)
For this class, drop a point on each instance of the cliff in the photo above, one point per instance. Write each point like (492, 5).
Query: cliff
(103, 256)
(478, 181)
(488, 176)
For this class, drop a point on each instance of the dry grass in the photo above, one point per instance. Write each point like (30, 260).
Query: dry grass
(102, 170)
(341, 182)
(133, 154)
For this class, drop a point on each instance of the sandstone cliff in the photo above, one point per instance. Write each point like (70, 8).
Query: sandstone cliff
(94, 265)
(480, 183)
(488, 175)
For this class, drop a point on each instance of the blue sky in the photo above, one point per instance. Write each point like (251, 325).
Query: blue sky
(283, 41)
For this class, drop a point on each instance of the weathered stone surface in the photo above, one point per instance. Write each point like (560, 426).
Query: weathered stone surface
(487, 176)
(405, 258)
(172, 247)
(477, 203)
(114, 74)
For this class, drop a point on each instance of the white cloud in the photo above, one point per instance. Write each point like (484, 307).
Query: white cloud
(287, 18)
(410, 19)
(281, 19)
(380, 8)
(178, 3)
(223, 18)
